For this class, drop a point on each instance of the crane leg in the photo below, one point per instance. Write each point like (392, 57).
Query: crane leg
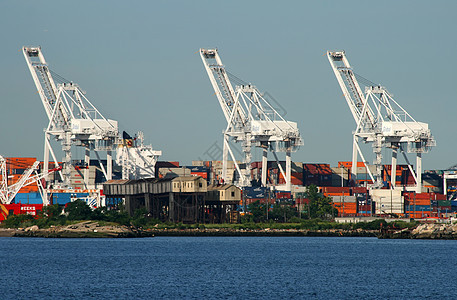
(109, 165)
(419, 172)
(288, 169)
(393, 171)
(264, 167)
(86, 164)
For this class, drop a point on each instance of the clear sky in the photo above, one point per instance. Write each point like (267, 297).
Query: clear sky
(138, 63)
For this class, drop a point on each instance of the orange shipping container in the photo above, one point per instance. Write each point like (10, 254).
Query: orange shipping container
(419, 202)
(348, 164)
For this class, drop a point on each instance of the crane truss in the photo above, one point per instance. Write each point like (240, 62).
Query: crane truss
(73, 119)
(380, 120)
(251, 120)
(30, 176)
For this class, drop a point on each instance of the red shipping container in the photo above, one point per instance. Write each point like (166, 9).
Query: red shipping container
(17, 209)
(201, 174)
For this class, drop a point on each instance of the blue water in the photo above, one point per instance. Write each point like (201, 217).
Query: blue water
(227, 267)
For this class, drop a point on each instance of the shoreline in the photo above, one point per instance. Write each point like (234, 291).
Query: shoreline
(127, 232)
(92, 229)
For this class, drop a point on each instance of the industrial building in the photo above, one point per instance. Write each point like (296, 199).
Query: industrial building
(185, 199)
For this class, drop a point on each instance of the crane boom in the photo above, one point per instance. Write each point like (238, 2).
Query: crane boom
(221, 85)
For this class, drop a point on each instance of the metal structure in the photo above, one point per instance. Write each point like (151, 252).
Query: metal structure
(137, 159)
(380, 120)
(251, 120)
(30, 175)
(73, 119)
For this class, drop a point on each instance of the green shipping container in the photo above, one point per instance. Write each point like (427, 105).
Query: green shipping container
(444, 202)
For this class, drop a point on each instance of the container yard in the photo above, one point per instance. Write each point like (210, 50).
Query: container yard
(355, 188)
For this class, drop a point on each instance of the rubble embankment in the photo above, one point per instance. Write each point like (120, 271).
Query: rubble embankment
(433, 231)
(86, 229)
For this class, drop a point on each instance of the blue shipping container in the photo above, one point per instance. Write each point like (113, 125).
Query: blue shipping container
(28, 198)
(198, 169)
(418, 207)
(64, 198)
(255, 192)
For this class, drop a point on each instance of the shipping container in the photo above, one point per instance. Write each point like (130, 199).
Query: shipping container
(28, 198)
(198, 168)
(444, 202)
(295, 179)
(255, 192)
(304, 201)
(18, 209)
(348, 164)
(340, 191)
(261, 200)
(337, 199)
(283, 195)
(346, 208)
(444, 208)
(418, 208)
(64, 198)
(364, 208)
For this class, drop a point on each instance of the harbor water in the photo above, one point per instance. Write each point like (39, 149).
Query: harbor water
(227, 268)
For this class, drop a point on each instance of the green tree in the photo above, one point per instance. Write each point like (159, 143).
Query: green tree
(15, 221)
(258, 211)
(78, 210)
(140, 217)
(52, 212)
(117, 216)
(319, 206)
(282, 212)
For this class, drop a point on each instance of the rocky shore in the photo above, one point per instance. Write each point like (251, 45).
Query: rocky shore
(424, 231)
(92, 229)
(87, 229)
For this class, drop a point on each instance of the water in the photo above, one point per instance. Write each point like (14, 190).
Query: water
(227, 267)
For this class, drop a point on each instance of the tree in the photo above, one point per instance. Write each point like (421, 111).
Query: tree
(257, 211)
(282, 212)
(78, 210)
(140, 217)
(52, 212)
(16, 221)
(320, 206)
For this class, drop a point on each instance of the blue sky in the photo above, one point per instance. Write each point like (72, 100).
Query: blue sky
(138, 63)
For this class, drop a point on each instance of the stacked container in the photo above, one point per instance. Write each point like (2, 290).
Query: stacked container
(317, 174)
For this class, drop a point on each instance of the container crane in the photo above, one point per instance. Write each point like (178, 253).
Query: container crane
(380, 120)
(251, 120)
(30, 175)
(73, 119)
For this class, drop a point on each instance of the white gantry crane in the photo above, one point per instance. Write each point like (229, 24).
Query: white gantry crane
(73, 119)
(30, 175)
(251, 120)
(380, 120)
